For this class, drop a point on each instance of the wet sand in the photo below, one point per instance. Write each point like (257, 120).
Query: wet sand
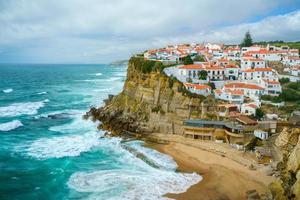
(223, 178)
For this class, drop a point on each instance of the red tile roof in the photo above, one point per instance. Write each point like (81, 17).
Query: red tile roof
(264, 69)
(243, 85)
(194, 66)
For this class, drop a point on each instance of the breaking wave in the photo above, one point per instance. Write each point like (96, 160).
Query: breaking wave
(138, 180)
(9, 90)
(62, 146)
(16, 109)
(8, 126)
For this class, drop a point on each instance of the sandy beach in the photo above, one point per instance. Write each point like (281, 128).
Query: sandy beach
(223, 177)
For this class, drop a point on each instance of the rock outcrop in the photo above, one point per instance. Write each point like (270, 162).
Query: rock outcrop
(287, 186)
(151, 102)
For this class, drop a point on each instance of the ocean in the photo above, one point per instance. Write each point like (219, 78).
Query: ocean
(47, 151)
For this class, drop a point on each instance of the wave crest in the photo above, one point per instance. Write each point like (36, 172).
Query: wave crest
(16, 109)
(8, 126)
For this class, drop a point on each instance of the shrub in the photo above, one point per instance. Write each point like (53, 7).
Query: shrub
(203, 75)
(199, 58)
(188, 60)
(284, 80)
(259, 113)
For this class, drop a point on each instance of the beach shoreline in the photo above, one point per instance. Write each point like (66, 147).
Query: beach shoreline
(223, 177)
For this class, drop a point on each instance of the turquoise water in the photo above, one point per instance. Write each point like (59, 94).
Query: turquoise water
(48, 152)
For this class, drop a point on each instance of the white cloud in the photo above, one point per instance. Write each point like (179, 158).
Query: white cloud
(101, 30)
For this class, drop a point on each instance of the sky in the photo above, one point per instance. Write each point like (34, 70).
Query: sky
(102, 31)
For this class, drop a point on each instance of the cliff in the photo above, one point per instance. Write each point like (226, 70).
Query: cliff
(151, 102)
(287, 186)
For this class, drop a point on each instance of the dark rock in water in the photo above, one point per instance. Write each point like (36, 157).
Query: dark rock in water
(59, 116)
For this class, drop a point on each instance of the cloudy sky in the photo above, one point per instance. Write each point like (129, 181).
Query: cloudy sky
(100, 31)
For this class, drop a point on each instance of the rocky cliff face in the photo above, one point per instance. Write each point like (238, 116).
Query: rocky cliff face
(151, 102)
(288, 184)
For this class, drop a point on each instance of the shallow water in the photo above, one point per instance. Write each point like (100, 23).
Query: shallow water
(48, 152)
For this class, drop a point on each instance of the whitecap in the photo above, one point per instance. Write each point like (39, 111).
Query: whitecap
(98, 74)
(62, 146)
(9, 90)
(40, 93)
(8, 126)
(16, 109)
(136, 180)
(103, 89)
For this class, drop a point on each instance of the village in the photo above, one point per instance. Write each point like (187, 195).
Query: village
(237, 77)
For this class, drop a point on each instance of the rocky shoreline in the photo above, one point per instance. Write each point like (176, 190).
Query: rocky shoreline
(154, 103)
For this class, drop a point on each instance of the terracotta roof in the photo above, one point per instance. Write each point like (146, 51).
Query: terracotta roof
(218, 91)
(214, 68)
(194, 66)
(265, 69)
(231, 66)
(252, 59)
(234, 92)
(252, 105)
(197, 86)
(243, 85)
(293, 58)
(246, 120)
(272, 82)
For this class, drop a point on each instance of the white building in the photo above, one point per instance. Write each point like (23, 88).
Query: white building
(261, 134)
(201, 89)
(295, 70)
(250, 62)
(272, 87)
(258, 74)
(232, 96)
(232, 72)
(248, 108)
(253, 91)
(291, 60)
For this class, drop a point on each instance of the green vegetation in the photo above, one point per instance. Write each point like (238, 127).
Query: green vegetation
(171, 81)
(284, 80)
(188, 60)
(293, 45)
(199, 58)
(259, 113)
(203, 75)
(212, 85)
(156, 109)
(247, 41)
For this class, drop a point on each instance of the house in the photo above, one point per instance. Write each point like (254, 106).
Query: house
(295, 70)
(253, 91)
(250, 62)
(225, 110)
(232, 72)
(252, 48)
(272, 87)
(248, 108)
(222, 61)
(258, 74)
(291, 60)
(191, 71)
(215, 72)
(232, 96)
(201, 89)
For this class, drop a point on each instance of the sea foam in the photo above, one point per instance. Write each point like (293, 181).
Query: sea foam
(63, 146)
(8, 126)
(9, 90)
(137, 180)
(16, 109)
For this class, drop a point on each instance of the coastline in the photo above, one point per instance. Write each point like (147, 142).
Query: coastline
(223, 177)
